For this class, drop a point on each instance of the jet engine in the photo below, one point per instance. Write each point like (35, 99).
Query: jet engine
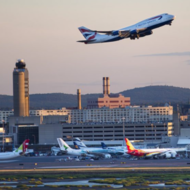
(171, 154)
(107, 156)
(135, 34)
(146, 33)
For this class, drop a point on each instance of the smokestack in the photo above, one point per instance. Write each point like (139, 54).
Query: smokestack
(104, 86)
(108, 85)
(79, 98)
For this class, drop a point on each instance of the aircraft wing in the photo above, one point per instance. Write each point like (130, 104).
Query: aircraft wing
(124, 33)
(160, 153)
(115, 32)
(153, 154)
(140, 30)
(99, 154)
(84, 41)
(95, 153)
(104, 32)
(121, 33)
(115, 152)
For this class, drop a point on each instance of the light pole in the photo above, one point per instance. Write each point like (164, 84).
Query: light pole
(3, 136)
(123, 132)
(164, 129)
(34, 139)
(152, 131)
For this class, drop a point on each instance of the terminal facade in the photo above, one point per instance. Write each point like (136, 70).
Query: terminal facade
(46, 130)
(146, 114)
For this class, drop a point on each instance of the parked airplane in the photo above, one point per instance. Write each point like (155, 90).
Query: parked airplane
(18, 152)
(119, 150)
(55, 150)
(152, 153)
(98, 151)
(79, 143)
(141, 29)
(65, 147)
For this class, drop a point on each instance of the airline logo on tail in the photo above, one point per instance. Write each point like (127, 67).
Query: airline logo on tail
(75, 145)
(103, 145)
(23, 147)
(65, 147)
(129, 145)
(78, 143)
(63, 144)
(87, 33)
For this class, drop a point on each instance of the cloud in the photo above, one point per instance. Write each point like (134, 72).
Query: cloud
(187, 53)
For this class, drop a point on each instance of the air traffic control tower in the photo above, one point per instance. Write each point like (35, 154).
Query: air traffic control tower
(21, 89)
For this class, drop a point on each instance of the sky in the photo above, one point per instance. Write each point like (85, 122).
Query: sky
(44, 34)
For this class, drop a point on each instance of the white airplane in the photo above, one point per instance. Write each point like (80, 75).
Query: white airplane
(141, 29)
(105, 152)
(18, 152)
(152, 153)
(65, 147)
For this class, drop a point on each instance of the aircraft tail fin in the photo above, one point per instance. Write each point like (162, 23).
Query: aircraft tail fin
(129, 145)
(63, 145)
(23, 147)
(76, 146)
(78, 143)
(103, 145)
(87, 33)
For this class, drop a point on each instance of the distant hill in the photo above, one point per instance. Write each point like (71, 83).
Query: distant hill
(157, 94)
(145, 95)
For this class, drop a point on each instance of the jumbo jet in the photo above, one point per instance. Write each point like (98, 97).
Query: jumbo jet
(152, 153)
(136, 31)
(18, 152)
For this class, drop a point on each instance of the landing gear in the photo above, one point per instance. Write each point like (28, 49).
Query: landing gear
(134, 36)
(170, 23)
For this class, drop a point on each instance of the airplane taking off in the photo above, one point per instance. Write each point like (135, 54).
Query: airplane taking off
(18, 152)
(152, 153)
(141, 29)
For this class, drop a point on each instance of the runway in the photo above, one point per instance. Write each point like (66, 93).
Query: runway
(57, 162)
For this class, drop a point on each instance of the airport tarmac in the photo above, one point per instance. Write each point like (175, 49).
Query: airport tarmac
(50, 162)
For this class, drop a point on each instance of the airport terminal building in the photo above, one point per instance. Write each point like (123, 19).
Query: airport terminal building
(147, 114)
(96, 125)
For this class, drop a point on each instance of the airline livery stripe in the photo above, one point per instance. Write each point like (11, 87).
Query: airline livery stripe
(84, 30)
(156, 17)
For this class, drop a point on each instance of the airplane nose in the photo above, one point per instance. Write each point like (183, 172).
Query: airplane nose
(173, 17)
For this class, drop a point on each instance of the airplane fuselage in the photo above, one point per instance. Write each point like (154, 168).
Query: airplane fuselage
(152, 152)
(8, 155)
(137, 30)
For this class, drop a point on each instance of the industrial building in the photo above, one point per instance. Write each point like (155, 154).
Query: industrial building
(108, 100)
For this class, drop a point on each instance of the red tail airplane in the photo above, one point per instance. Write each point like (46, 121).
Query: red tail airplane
(148, 153)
